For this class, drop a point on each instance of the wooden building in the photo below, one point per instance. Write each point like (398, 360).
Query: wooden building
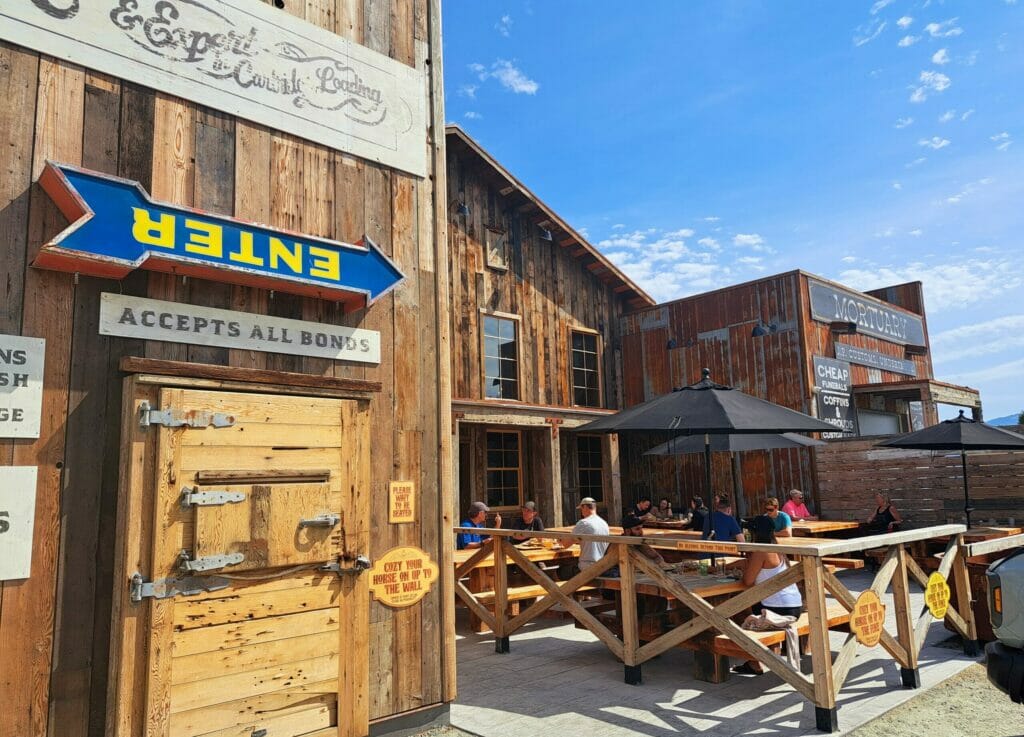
(536, 347)
(858, 360)
(226, 473)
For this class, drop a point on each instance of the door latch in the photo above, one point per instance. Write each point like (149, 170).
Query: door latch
(176, 418)
(207, 563)
(167, 587)
(360, 564)
(191, 496)
(321, 520)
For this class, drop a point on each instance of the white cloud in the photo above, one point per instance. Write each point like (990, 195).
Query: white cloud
(947, 116)
(1008, 370)
(752, 240)
(473, 115)
(992, 336)
(916, 232)
(916, 162)
(968, 114)
(897, 186)
(681, 233)
(1002, 140)
(940, 57)
(968, 189)
(908, 40)
(934, 142)
(905, 21)
(880, 5)
(887, 233)
(510, 76)
(945, 29)
(618, 226)
(712, 219)
(868, 32)
(903, 122)
(709, 243)
(848, 259)
(504, 26)
(930, 82)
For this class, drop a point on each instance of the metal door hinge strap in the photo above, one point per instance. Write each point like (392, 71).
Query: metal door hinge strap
(191, 496)
(321, 520)
(360, 564)
(168, 587)
(209, 562)
(178, 418)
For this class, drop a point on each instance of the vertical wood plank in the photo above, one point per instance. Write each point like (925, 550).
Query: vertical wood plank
(901, 602)
(630, 622)
(962, 584)
(817, 616)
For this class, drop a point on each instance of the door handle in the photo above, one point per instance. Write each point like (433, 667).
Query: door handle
(321, 520)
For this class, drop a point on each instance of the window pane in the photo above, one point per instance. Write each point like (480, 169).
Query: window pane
(509, 389)
(491, 366)
(590, 361)
(590, 342)
(508, 369)
(593, 398)
(507, 329)
(578, 360)
(492, 389)
(490, 325)
(512, 441)
(577, 341)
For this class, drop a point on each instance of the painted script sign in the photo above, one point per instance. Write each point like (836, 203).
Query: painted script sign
(867, 618)
(874, 359)
(116, 228)
(175, 322)
(402, 576)
(21, 385)
(872, 316)
(244, 58)
(17, 520)
(835, 399)
(936, 595)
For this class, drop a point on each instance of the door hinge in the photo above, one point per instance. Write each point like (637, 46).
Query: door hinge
(321, 520)
(177, 418)
(360, 564)
(207, 563)
(191, 496)
(168, 587)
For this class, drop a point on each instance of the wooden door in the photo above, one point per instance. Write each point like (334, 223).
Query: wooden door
(257, 501)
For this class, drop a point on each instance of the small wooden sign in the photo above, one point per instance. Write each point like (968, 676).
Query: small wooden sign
(708, 547)
(21, 385)
(17, 520)
(402, 502)
(402, 576)
(867, 618)
(936, 594)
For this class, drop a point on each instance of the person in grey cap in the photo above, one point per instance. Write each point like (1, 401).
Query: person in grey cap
(530, 521)
(476, 517)
(591, 524)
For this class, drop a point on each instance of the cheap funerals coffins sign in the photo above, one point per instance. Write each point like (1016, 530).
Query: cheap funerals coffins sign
(244, 58)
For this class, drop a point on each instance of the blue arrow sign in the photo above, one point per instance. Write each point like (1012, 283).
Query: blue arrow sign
(116, 228)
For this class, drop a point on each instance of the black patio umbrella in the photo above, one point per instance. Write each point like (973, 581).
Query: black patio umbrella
(707, 409)
(733, 443)
(963, 434)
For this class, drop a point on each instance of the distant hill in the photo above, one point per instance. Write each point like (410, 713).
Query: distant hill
(1008, 420)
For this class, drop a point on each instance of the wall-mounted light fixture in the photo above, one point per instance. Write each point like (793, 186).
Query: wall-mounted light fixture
(671, 344)
(915, 350)
(839, 327)
(761, 330)
(545, 235)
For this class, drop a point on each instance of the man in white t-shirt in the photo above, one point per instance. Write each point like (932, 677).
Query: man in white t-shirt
(591, 524)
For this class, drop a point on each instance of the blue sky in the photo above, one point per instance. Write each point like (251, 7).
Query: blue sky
(700, 144)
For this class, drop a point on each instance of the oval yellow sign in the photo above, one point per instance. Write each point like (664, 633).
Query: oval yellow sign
(402, 576)
(936, 594)
(867, 618)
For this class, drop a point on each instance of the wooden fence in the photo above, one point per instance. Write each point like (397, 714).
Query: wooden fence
(828, 674)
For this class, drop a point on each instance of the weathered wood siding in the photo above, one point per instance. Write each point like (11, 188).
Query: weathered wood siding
(55, 626)
(927, 488)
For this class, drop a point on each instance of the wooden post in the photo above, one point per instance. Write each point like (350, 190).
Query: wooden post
(962, 582)
(553, 463)
(821, 649)
(613, 486)
(500, 596)
(630, 623)
(904, 625)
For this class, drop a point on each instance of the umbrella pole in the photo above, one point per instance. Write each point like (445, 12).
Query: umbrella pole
(967, 498)
(707, 471)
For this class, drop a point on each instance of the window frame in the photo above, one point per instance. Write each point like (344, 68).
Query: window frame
(516, 321)
(580, 467)
(599, 353)
(519, 470)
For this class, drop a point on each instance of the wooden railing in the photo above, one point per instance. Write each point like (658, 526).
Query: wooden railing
(810, 569)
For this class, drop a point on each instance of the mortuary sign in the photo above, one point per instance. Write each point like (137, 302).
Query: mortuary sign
(872, 316)
(244, 58)
(835, 400)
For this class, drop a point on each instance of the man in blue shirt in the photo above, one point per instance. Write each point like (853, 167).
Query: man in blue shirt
(783, 522)
(724, 527)
(476, 517)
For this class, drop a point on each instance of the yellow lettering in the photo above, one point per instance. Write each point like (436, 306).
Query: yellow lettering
(245, 253)
(325, 263)
(153, 232)
(279, 251)
(205, 239)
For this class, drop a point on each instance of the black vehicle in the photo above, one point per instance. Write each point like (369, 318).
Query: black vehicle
(1005, 656)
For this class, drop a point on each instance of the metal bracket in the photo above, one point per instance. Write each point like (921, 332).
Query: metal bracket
(176, 418)
(209, 562)
(191, 496)
(168, 587)
(321, 520)
(360, 564)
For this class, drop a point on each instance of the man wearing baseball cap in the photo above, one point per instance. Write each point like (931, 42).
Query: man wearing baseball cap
(476, 517)
(591, 524)
(530, 522)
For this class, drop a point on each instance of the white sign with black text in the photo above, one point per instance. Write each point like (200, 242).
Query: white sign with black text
(835, 401)
(244, 58)
(17, 517)
(174, 322)
(21, 385)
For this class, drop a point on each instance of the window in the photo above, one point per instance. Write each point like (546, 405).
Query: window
(501, 358)
(586, 378)
(495, 251)
(503, 470)
(588, 457)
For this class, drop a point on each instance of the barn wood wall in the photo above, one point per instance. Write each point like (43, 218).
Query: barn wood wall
(926, 488)
(713, 331)
(550, 290)
(55, 626)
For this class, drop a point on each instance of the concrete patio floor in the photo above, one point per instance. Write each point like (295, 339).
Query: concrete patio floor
(560, 679)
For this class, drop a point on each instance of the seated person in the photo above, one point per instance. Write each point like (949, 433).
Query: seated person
(642, 510)
(796, 508)
(724, 527)
(760, 566)
(663, 512)
(783, 524)
(475, 517)
(590, 523)
(698, 513)
(634, 527)
(885, 518)
(530, 521)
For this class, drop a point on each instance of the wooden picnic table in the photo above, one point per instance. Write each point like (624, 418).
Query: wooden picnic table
(816, 527)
